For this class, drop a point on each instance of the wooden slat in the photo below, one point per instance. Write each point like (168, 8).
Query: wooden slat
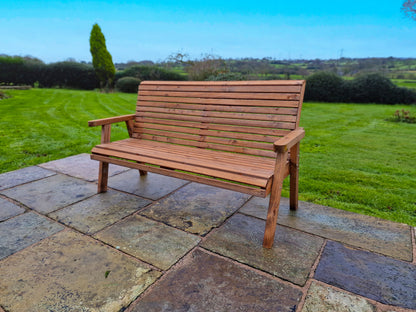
(201, 125)
(224, 134)
(214, 146)
(206, 113)
(204, 159)
(180, 166)
(208, 139)
(228, 83)
(238, 102)
(220, 156)
(224, 121)
(222, 88)
(261, 192)
(223, 108)
(223, 95)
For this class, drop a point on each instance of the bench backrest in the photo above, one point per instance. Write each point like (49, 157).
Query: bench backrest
(236, 116)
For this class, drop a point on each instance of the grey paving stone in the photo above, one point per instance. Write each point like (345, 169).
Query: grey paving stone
(21, 176)
(99, 211)
(209, 283)
(71, 272)
(51, 193)
(377, 277)
(80, 166)
(24, 230)
(323, 298)
(373, 234)
(153, 186)
(150, 241)
(291, 258)
(8, 209)
(197, 208)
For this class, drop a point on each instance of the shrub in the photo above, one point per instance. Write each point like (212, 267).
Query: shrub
(325, 87)
(226, 77)
(69, 75)
(145, 72)
(403, 116)
(128, 84)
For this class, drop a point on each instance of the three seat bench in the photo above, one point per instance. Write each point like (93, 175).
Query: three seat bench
(238, 135)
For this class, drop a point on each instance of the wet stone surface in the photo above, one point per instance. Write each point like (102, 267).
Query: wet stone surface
(51, 193)
(70, 272)
(385, 237)
(23, 231)
(209, 283)
(21, 176)
(8, 209)
(150, 241)
(322, 298)
(196, 208)
(99, 211)
(377, 277)
(291, 258)
(153, 186)
(80, 166)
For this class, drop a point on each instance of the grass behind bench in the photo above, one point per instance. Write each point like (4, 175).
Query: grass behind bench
(351, 158)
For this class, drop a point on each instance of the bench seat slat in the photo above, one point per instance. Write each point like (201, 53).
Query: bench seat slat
(207, 167)
(228, 83)
(218, 156)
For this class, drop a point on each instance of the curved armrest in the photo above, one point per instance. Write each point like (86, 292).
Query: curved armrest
(107, 121)
(285, 143)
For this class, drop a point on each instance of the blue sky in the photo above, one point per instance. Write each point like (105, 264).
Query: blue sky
(146, 30)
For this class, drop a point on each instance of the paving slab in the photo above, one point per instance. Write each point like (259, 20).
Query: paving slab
(209, 283)
(153, 186)
(21, 176)
(8, 209)
(374, 276)
(23, 231)
(99, 211)
(51, 193)
(71, 272)
(80, 166)
(150, 241)
(291, 258)
(197, 208)
(374, 234)
(323, 298)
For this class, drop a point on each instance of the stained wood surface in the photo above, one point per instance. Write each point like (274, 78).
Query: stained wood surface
(240, 117)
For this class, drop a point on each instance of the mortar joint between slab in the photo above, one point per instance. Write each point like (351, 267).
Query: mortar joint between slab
(413, 234)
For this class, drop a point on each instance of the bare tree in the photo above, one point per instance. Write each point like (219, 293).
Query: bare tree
(409, 8)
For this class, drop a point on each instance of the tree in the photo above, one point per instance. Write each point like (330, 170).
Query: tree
(409, 8)
(101, 58)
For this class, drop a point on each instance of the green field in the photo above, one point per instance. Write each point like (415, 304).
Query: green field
(351, 157)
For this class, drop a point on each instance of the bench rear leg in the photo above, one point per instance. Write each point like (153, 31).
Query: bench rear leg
(102, 177)
(274, 202)
(142, 172)
(294, 177)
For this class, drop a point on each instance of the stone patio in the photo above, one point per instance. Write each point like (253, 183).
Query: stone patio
(154, 243)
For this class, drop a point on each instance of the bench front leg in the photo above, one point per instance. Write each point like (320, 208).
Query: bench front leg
(274, 202)
(294, 176)
(103, 166)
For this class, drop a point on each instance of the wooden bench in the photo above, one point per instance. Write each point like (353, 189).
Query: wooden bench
(238, 135)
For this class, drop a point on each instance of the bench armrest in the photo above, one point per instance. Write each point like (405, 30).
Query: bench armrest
(283, 144)
(111, 120)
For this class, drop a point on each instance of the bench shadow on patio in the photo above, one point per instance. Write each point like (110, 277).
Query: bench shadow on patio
(157, 243)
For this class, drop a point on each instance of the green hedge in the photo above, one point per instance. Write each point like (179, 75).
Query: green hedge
(128, 84)
(147, 72)
(369, 88)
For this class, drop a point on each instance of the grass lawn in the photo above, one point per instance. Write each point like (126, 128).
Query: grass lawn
(351, 157)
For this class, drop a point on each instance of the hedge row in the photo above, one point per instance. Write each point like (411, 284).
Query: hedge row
(28, 71)
(370, 88)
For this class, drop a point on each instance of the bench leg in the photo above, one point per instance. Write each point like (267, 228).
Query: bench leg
(294, 177)
(274, 202)
(142, 172)
(102, 177)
